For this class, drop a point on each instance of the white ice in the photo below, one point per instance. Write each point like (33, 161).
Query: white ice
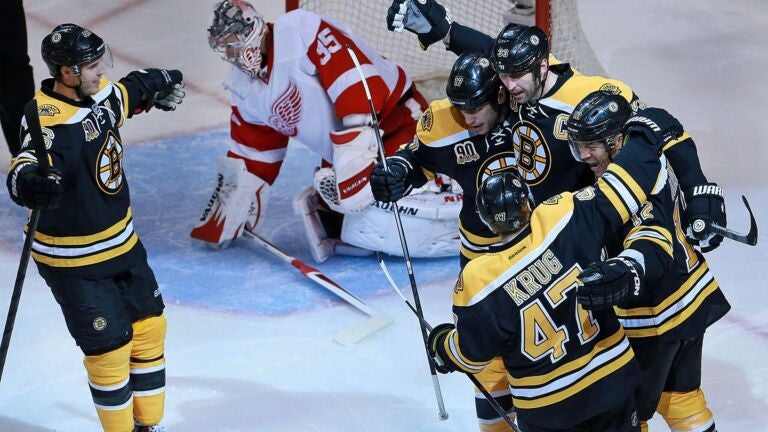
(234, 368)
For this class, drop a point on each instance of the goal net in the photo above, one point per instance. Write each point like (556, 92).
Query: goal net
(430, 68)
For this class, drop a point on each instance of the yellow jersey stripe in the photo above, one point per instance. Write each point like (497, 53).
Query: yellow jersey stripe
(617, 203)
(91, 259)
(701, 273)
(88, 239)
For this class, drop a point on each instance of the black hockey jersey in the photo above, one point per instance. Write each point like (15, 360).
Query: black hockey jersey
(686, 299)
(91, 233)
(444, 144)
(565, 364)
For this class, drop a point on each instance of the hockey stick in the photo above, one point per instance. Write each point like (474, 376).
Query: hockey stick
(443, 415)
(749, 238)
(491, 400)
(36, 135)
(348, 336)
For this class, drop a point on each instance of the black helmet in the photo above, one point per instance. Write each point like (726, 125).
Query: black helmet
(519, 49)
(71, 45)
(504, 203)
(472, 83)
(598, 117)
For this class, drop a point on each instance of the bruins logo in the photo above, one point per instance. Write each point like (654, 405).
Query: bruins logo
(531, 153)
(426, 120)
(109, 166)
(610, 88)
(501, 162)
(47, 110)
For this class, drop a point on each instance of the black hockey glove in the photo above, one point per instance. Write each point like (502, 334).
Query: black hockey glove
(437, 352)
(658, 126)
(427, 18)
(29, 188)
(704, 206)
(390, 186)
(158, 86)
(609, 283)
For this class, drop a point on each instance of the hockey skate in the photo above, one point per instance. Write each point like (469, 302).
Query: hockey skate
(237, 203)
(155, 428)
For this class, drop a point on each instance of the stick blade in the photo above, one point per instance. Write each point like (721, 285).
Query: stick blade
(360, 331)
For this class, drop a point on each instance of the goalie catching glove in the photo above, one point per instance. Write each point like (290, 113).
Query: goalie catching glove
(161, 88)
(238, 202)
(704, 206)
(428, 19)
(436, 345)
(609, 283)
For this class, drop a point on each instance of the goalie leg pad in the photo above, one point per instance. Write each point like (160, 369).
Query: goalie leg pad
(430, 222)
(308, 206)
(238, 202)
(354, 154)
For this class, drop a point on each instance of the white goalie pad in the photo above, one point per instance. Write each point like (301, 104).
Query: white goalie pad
(430, 223)
(354, 154)
(238, 202)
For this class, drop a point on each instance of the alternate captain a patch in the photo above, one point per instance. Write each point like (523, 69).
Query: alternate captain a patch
(109, 165)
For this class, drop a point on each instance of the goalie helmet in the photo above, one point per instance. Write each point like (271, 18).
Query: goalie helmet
(519, 49)
(599, 117)
(73, 46)
(236, 34)
(504, 203)
(473, 83)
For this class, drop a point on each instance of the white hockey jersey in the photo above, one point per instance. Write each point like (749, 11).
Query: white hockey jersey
(309, 84)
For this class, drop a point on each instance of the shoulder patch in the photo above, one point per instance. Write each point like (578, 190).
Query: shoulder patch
(459, 284)
(552, 200)
(585, 194)
(47, 110)
(425, 123)
(610, 88)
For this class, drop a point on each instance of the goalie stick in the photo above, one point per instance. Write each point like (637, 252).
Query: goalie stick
(36, 136)
(491, 401)
(442, 414)
(351, 335)
(749, 238)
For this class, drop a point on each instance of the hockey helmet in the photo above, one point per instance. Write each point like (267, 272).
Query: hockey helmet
(598, 117)
(73, 46)
(236, 33)
(472, 83)
(504, 202)
(519, 49)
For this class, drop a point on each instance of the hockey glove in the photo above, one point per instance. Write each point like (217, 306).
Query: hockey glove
(428, 19)
(704, 206)
(609, 283)
(390, 186)
(29, 188)
(156, 86)
(437, 352)
(656, 124)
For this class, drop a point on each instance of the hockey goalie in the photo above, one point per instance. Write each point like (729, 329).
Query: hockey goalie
(295, 79)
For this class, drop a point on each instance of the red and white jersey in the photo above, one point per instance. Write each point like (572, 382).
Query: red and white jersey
(308, 86)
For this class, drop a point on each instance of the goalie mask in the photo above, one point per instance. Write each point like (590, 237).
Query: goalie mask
(598, 118)
(504, 203)
(236, 34)
(73, 46)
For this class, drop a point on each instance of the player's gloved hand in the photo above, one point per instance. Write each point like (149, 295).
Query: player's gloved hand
(34, 190)
(167, 99)
(704, 206)
(428, 19)
(393, 184)
(436, 351)
(157, 86)
(658, 126)
(609, 283)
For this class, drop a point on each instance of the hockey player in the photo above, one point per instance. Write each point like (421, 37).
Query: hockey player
(466, 137)
(546, 91)
(85, 246)
(570, 368)
(666, 323)
(295, 79)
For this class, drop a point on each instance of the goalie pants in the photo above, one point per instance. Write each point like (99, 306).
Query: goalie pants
(118, 324)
